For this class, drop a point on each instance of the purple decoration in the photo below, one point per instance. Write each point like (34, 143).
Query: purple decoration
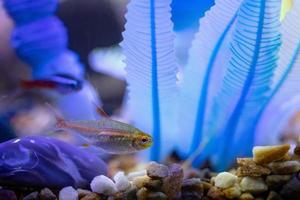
(47, 162)
(66, 63)
(40, 41)
(25, 11)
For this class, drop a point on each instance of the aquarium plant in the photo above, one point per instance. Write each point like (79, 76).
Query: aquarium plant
(238, 74)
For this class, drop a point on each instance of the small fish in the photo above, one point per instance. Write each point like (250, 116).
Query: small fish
(61, 83)
(112, 136)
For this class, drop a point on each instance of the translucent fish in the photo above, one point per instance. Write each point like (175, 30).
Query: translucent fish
(112, 136)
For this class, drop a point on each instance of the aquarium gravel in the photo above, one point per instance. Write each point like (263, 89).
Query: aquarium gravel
(273, 173)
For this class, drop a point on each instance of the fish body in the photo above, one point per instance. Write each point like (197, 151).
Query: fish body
(61, 83)
(112, 136)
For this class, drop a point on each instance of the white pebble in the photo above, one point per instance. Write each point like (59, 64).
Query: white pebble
(225, 180)
(122, 182)
(132, 175)
(253, 185)
(68, 193)
(103, 185)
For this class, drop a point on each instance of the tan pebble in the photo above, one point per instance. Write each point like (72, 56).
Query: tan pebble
(142, 194)
(212, 180)
(267, 154)
(246, 196)
(140, 181)
(233, 192)
(253, 185)
(286, 167)
(216, 194)
(225, 180)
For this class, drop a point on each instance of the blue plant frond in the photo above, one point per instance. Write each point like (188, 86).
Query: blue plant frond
(204, 72)
(151, 69)
(284, 99)
(246, 83)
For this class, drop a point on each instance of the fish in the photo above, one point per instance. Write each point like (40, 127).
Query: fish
(112, 136)
(60, 83)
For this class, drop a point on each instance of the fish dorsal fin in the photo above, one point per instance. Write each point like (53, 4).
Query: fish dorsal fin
(100, 111)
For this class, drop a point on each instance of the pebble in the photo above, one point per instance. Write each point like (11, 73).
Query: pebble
(267, 154)
(131, 194)
(192, 189)
(192, 195)
(291, 190)
(253, 185)
(133, 175)
(277, 181)
(68, 193)
(233, 192)
(287, 167)
(247, 167)
(82, 193)
(216, 194)
(157, 196)
(7, 195)
(172, 184)
(47, 194)
(122, 182)
(225, 180)
(142, 194)
(297, 150)
(246, 196)
(103, 185)
(154, 185)
(157, 171)
(140, 181)
(274, 196)
(31, 196)
(91, 196)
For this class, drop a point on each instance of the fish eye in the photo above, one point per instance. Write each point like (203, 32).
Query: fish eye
(144, 140)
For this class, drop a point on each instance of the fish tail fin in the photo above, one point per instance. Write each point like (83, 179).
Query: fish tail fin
(60, 121)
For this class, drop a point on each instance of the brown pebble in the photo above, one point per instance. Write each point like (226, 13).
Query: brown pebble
(142, 194)
(154, 185)
(173, 182)
(47, 194)
(247, 167)
(157, 171)
(91, 196)
(274, 196)
(82, 192)
(216, 194)
(192, 188)
(192, 195)
(276, 181)
(267, 154)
